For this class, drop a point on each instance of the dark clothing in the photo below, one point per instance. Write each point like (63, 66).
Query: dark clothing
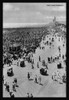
(14, 88)
(59, 66)
(11, 95)
(28, 75)
(48, 59)
(15, 80)
(32, 66)
(7, 88)
(10, 72)
(22, 64)
(31, 95)
(39, 58)
(35, 79)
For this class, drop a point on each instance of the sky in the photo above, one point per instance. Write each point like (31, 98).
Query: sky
(22, 14)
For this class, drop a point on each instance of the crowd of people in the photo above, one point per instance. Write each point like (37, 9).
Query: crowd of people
(45, 55)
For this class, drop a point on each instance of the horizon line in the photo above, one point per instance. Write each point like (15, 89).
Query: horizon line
(16, 25)
(9, 25)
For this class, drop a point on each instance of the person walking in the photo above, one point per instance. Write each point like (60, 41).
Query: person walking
(7, 88)
(31, 95)
(39, 79)
(36, 79)
(17, 63)
(32, 66)
(28, 95)
(14, 89)
(28, 76)
(39, 58)
(37, 65)
(11, 94)
(15, 82)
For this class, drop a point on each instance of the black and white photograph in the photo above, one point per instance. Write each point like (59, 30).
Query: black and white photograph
(34, 49)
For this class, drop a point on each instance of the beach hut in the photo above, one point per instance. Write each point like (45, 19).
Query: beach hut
(22, 64)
